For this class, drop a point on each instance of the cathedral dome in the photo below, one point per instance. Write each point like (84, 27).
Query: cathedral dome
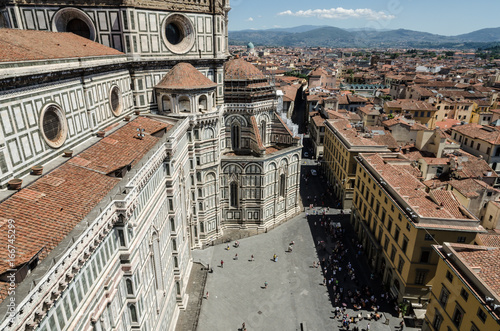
(250, 45)
(184, 76)
(239, 69)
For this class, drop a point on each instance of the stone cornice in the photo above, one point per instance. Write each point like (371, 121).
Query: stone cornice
(212, 6)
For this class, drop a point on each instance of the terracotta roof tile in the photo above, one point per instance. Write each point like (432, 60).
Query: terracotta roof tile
(28, 45)
(239, 69)
(436, 204)
(492, 239)
(48, 209)
(484, 263)
(476, 131)
(184, 76)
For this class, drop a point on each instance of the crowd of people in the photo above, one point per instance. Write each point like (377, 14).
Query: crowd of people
(349, 285)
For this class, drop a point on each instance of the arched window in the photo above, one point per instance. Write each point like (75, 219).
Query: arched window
(130, 288)
(263, 130)
(282, 185)
(235, 137)
(203, 103)
(176, 262)
(166, 104)
(133, 313)
(233, 194)
(184, 104)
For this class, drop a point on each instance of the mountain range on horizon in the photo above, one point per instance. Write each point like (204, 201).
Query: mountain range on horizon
(329, 36)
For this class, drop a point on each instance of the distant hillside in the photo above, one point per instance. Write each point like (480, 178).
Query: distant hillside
(298, 29)
(314, 36)
(483, 35)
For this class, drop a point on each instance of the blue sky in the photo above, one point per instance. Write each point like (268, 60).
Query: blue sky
(444, 17)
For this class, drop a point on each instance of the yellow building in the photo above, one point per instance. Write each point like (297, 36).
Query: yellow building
(491, 218)
(465, 290)
(420, 111)
(397, 220)
(342, 144)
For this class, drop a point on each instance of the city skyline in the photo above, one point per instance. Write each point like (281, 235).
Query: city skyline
(443, 17)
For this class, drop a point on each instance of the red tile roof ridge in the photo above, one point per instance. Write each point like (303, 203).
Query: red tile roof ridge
(184, 76)
(239, 69)
(256, 131)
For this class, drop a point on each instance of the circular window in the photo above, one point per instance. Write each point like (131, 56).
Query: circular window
(115, 100)
(78, 27)
(174, 34)
(53, 125)
(178, 33)
(75, 21)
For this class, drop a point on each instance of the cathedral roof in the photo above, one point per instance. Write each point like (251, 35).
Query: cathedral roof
(48, 209)
(30, 45)
(184, 76)
(239, 69)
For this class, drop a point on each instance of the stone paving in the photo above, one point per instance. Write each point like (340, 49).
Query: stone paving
(188, 318)
(295, 298)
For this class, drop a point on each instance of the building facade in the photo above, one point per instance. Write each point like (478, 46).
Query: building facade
(464, 294)
(397, 221)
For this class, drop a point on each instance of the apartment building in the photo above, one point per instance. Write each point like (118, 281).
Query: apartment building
(465, 294)
(479, 140)
(397, 219)
(342, 144)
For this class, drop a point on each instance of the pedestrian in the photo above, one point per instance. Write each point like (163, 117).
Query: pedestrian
(206, 296)
(221, 264)
(251, 258)
(243, 326)
(368, 327)
(236, 256)
(402, 324)
(227, 248)
(265, 284)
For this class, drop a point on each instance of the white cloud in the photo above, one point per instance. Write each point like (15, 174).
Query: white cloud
(341, 13)
(250, 19)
